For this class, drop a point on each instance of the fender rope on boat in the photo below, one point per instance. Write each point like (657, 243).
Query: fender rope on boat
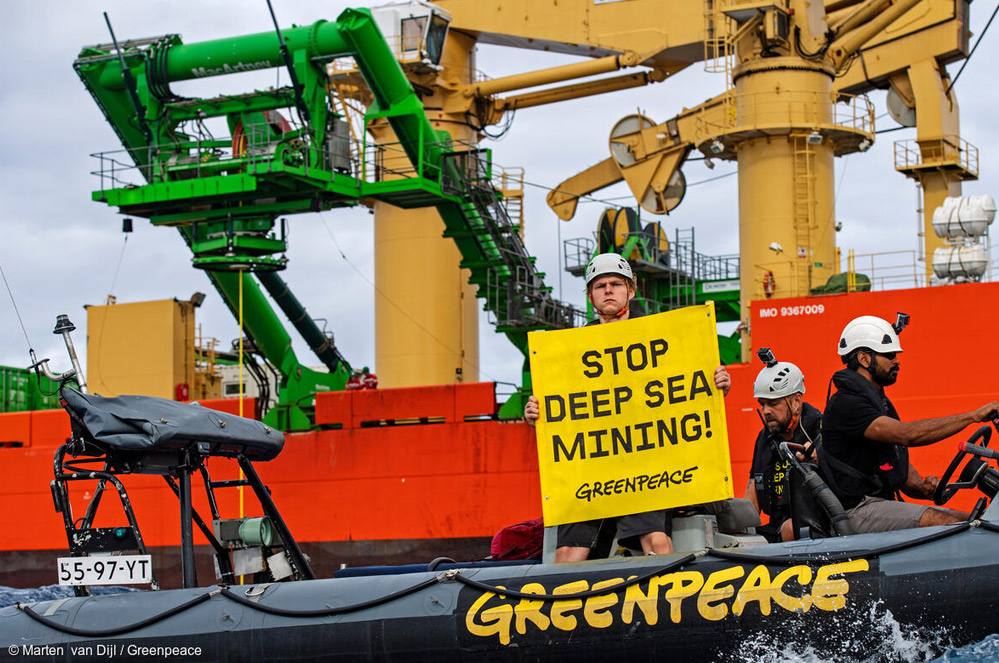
(120, 630)
(816, 558)
(327, 612)
(987, 525)
(603, 591)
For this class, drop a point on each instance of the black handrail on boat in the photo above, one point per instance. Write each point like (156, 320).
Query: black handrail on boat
(799, 558)
(120, 630)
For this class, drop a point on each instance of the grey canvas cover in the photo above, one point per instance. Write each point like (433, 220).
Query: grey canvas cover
(142, 423)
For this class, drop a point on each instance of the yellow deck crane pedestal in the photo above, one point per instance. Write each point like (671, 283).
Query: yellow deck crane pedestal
(795, 72)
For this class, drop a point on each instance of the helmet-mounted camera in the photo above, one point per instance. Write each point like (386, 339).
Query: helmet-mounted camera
(766, 355)
(901, 322)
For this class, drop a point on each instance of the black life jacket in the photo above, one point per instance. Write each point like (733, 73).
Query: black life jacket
(772, 484)
(890, 467)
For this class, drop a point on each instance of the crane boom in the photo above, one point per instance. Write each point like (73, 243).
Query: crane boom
(224, 195)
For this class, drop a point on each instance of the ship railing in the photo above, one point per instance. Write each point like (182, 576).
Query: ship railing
(750, 110)
(519, 300)
(949, 150)
(683, 259)
(469, 169)
(894, 270)
(715, 268)
(509, 181)
(387, 161)
(576, 254)
(294, 148)
(700, 267)
(855, 112)
(255, 150)
(118, 169)
(650, 306)
(383, 162)
(887, 270)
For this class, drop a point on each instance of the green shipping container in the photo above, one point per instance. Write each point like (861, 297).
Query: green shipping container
(19, 391)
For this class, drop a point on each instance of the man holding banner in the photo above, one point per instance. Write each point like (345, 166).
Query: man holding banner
(637, 455)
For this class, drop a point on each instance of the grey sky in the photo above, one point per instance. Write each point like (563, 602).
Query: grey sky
(60, 251)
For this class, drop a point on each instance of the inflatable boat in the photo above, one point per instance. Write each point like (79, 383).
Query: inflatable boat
(828, 595)
(722, 595)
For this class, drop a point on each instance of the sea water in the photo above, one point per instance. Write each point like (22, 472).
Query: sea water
(878, 630)
(898, 644)
(10, 595)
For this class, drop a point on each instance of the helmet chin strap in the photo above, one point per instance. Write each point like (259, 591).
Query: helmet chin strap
(795, 415)
(605, 316)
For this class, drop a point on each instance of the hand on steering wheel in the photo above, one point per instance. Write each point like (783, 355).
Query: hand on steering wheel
(970, 474)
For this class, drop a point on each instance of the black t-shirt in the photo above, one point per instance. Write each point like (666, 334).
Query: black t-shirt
(770, 469)
(880, 468)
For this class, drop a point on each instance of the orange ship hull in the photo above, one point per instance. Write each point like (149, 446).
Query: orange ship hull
(402, 475)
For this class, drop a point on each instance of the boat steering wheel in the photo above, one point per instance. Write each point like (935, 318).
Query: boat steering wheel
(970, 473)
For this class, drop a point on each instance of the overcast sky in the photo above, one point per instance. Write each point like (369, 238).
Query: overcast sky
(60, 251)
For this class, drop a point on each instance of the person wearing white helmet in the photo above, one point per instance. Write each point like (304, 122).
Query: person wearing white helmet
(864, 450)
(779, 390)
(610, 288)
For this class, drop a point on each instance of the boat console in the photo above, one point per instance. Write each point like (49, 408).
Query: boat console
(146, 435)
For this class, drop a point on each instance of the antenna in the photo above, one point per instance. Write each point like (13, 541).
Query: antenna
(303, 110)
(126, 75)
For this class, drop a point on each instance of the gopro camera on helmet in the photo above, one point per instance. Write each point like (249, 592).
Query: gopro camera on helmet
(901, 322)
(766, 355)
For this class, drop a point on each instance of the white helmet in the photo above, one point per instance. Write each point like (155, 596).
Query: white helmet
(608, 263)
(869, 332)
(778, 379)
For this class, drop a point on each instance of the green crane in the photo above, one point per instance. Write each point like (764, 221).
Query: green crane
(226, 196)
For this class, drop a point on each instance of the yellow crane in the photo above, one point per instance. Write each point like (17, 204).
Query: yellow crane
(795, 70)
(426, 318)
(795, 73)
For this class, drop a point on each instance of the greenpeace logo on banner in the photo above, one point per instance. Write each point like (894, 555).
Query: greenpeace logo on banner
(630, 418)
(203, 72)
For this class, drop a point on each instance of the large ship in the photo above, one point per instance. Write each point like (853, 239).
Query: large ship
(411, 471)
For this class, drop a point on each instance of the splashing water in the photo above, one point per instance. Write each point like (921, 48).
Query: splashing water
(874, 637)
(986, 651)
(871, 637)
(11, 595)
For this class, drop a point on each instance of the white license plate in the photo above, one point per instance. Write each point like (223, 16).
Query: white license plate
(106, 570)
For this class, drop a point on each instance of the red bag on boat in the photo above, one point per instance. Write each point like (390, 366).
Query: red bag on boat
(520, 541)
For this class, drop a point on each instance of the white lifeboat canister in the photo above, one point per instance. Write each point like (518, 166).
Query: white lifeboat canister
(960, 262)
(964, 216)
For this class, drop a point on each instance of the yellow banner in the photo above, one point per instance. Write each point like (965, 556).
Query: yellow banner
(630, 417)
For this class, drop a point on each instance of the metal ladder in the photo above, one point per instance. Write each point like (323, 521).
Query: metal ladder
(804, 213)
(718, 47)
(492, 249)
